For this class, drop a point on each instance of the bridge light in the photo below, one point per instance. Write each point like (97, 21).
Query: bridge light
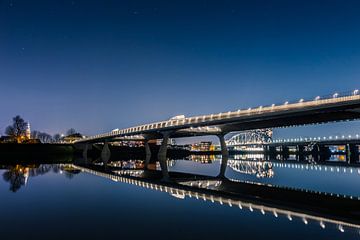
(341, 229)
(272, 105)
(335, 95)
(356, 92)
(301, 100)
(286, 103)
(317, 98)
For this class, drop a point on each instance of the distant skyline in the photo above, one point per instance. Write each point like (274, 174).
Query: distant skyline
(100, 65)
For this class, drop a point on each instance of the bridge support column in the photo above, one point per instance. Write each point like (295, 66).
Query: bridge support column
(148, 153)
(85, 151)
(224, 155)
(105, 153)
(352, 153)
(162, 156)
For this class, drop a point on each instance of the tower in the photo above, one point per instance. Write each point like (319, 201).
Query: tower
(28, 131)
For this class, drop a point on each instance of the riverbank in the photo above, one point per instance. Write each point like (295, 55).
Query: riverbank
(10, 152)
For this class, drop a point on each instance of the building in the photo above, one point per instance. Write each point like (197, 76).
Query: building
(203, 147)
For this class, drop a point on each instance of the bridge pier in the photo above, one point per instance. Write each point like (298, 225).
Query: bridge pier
(162, 156)
(85, 151)
(224, 155)
(148, 153)
(353, 154)
(105, 153)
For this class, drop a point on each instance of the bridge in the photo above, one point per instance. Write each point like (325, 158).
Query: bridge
(261, 140)
(336, 107)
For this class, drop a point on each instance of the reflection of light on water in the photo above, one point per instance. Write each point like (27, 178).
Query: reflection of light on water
(262, 211)
(181, 193)
(337, 158)
(322, 225)
(260, 169)
(177, 195)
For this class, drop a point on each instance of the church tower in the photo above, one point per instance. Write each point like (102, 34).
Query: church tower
(28, 131)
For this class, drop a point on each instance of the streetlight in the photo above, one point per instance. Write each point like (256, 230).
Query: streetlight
(356, 92)
(335, 95)
(317, 98)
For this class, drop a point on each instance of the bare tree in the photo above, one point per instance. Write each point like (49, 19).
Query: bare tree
(35, 134)
(71, 131)
(17, 129)
(57, 138)
(45, 138)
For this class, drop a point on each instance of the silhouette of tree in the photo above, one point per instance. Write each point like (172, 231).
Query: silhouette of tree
(45, 138)
(57, 138)
(71, 131)
(42, 136)
(17, 129)
(16, 177)
(35, 134)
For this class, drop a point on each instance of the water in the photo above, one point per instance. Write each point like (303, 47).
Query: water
(62, 201)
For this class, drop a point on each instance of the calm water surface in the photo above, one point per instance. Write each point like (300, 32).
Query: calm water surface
(60, 201)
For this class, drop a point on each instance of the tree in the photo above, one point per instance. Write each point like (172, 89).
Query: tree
(71, 131)
(57, 138)
(35, 134)
(45, 138)
(42, 136)
(17, 129)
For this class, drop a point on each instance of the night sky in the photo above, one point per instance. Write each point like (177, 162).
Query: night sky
(100, 65)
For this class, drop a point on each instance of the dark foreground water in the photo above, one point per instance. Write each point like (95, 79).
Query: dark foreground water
(65, 201)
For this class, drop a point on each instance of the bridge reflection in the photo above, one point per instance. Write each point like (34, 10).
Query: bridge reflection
(309, 206)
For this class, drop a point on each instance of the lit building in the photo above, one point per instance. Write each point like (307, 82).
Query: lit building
(203, 146)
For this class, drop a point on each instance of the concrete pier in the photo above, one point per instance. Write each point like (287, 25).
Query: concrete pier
(162, 156)
(148, 154)
(105, 153)
(224, 156)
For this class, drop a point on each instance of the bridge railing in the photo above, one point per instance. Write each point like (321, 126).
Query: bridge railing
(316, 139)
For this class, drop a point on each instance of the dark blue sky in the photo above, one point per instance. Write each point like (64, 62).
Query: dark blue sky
(100, 65)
